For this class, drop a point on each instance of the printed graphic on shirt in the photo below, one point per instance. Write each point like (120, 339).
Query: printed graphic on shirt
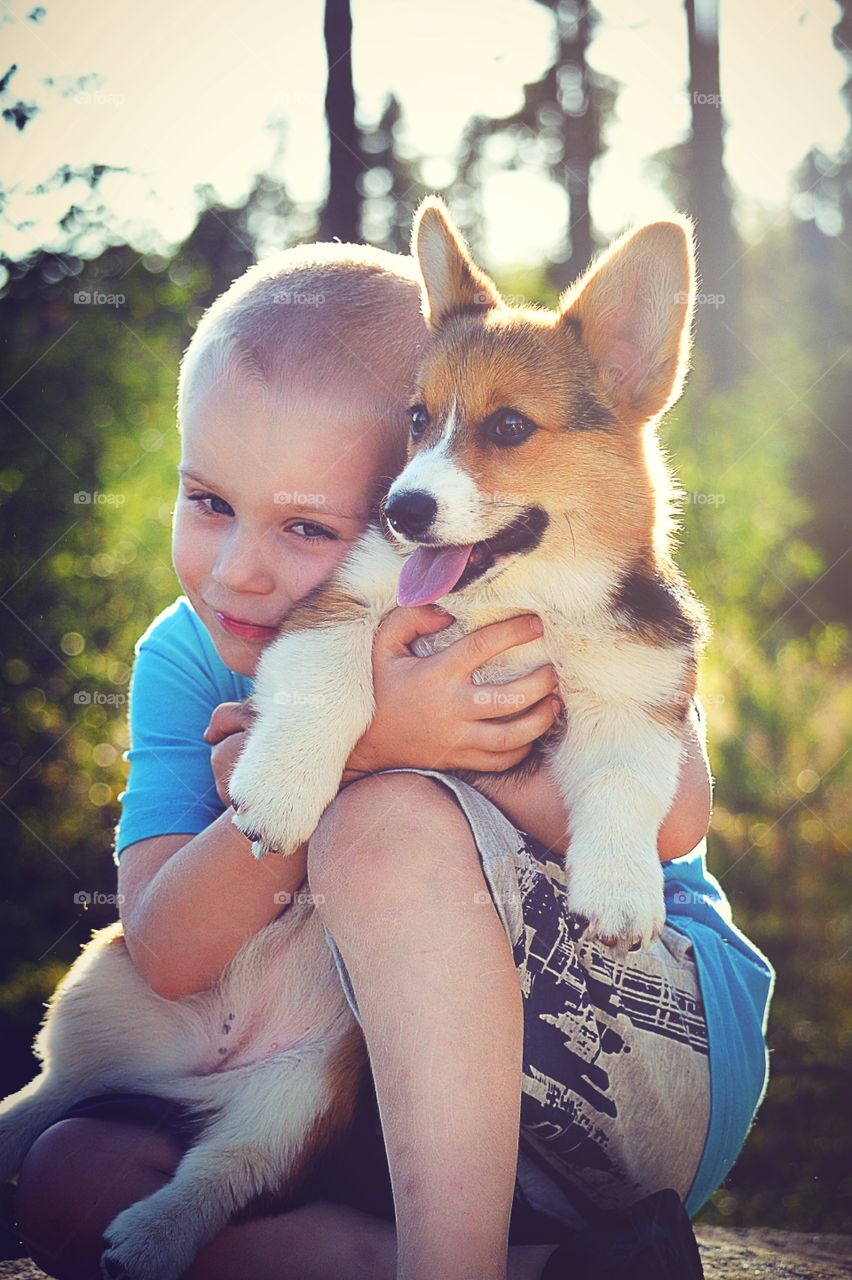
(603, 1040)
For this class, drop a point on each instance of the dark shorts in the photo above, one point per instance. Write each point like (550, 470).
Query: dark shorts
(353, 1171)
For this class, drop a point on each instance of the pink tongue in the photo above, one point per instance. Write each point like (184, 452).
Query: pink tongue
(430, 573)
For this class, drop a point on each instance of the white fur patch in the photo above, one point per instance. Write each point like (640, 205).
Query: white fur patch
(461, 513)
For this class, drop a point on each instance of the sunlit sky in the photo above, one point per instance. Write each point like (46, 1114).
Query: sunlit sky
(188, 91)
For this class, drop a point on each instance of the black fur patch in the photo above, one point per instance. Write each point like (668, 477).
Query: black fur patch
(588, 414)
(661, 609)
(464, 310)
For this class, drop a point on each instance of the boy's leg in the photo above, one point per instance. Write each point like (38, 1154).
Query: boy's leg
(81, 1173)
(77, 1176)
(399, 884)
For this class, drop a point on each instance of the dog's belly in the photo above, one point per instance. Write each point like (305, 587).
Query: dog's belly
(283, 991)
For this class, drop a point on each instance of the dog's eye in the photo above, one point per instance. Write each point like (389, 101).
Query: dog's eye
(419, 418)
(509, 427)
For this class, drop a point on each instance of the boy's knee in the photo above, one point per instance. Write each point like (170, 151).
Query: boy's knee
(381, 827)
(76, 1177)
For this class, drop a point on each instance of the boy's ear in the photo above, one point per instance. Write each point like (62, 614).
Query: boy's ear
(634, 310)
(452, 282)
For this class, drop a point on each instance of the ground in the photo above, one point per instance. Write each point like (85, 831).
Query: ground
(755, 1254)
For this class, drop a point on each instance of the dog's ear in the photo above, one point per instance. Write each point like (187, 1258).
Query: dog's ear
(633, 310)
(452, 282)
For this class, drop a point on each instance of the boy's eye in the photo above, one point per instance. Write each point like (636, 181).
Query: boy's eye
(212, 503)
(419, 418)
(312, 532)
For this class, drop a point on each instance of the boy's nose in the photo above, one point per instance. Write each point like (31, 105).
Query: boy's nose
(241, 566)
(411, 512)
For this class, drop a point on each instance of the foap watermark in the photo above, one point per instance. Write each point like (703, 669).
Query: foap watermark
(702, 299)
(94, 498)
(284, 899)
(504, 498)
(706, 100)
(97, 899)
(294, 498)
(90, 98)
(297, 298)
(295, 698)
(498, 698)
(483, 299)
(95, 698)
(98, 298)
(699, 499)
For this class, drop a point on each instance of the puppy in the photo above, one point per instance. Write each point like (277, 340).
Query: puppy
(535, 482)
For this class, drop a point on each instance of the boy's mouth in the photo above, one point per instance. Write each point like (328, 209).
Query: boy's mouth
(245, 630)
(434, 571)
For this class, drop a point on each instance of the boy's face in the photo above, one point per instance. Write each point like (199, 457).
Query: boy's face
(271, 499)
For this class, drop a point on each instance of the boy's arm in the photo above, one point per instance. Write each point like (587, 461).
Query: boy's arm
(535, 804)
(189, 903)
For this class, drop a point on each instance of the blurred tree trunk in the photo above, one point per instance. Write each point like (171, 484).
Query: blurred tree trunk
(390, 185)
(709, 198)
(341, 216)
(580, 128)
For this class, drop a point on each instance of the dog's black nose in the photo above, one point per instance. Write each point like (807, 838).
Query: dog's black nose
(411, 513)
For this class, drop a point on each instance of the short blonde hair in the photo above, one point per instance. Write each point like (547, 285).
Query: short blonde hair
(332, 319)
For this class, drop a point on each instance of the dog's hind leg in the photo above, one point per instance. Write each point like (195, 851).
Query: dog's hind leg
(282, 1116)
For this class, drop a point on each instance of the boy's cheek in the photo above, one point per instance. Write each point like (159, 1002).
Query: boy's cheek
(187, 556)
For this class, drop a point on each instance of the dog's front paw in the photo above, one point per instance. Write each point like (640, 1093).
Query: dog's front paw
(624, 905)
(137, 1249)
(269, 808)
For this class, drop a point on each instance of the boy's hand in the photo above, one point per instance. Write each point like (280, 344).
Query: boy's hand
(226, 732)
(430, 714)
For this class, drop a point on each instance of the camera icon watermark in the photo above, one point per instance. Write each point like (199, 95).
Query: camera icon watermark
(295, 698)
(88, 98)
(293, 498)
(97, 298)
(297, 298)
(95, 698)
(84, 498)
(494, 697)
(83, 898)
(284, 899)
(705, 499)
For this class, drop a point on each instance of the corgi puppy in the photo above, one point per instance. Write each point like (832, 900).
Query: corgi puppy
(535, 483)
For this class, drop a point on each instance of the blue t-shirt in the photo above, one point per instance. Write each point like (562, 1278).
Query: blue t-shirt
(178, 678)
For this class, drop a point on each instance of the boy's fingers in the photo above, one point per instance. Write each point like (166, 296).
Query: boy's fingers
(481, 646)
(520, 731)
(228, 718)
(490, 700)
(402, 626)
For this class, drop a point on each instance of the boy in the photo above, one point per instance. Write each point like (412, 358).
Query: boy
(291, 405)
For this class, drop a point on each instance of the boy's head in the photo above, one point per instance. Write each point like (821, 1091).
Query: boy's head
(292, 406)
